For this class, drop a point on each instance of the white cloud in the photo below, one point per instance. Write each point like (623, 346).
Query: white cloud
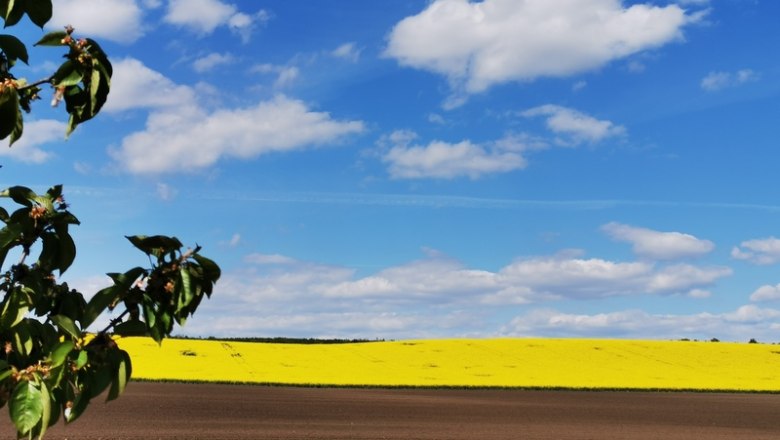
(189, 138)
(578, 278)
(578, 126)
(130, 88)
(204, 16)
(766, 293)
(442, 160)
(479, 44)
(434, 296)
(348, 51)
(656, 245)
(212, 60)
(116, 20)
(739, 325)
(36, 133)
(715, 81)
(182, 135)
(762, 251)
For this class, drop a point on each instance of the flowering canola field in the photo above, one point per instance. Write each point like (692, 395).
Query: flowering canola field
(544, 363)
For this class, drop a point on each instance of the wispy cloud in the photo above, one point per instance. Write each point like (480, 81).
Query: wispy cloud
(715, 81)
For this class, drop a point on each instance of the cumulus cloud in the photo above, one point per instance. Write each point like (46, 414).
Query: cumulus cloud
(578, 127)
(479, 44)
(763, 251)
(130, 88)
(204, 16)
(444, 160)
(432, 296)
(745, 322)
(182, 135)
(715, 81)
(657, 245)
(36, 134)
(115, 20)
(766, 293)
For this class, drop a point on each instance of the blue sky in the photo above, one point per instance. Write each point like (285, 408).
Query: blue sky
(426, 169)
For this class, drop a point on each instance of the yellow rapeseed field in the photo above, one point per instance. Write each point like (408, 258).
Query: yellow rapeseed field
(555, 363)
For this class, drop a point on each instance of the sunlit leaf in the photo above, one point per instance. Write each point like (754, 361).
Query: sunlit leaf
(52, 39)
(67, 324)
(26, 406)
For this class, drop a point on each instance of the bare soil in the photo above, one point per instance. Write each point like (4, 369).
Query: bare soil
(207, 411)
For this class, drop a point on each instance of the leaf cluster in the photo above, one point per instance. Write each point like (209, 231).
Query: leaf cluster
(50, 367)
(83, 80)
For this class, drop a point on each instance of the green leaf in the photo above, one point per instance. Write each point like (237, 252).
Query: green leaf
(96, 97)
(22, 339)
(14, 12)
(60, 353)
(20, 194)
(157, 245)
(67, 248)
(211, 271)
(39, 11)
(26, 406)
(13, 48)
(14, 310)
(82, 359)
(52, 39)
(68, 74)
(10, 113)
(105, 297)
(121, 363)
(186, 289)
(45, 409)
(67, 324)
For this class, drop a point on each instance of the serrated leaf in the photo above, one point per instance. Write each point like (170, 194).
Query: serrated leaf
(25, 406)
(13, 48)
(66, 324)
(52, 39)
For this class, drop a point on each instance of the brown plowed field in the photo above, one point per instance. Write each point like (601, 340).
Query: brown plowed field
(184, 411)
